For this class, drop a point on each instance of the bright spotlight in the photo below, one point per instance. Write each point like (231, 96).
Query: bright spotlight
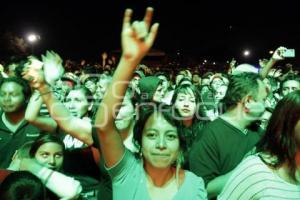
(246, 53)
(32, 38)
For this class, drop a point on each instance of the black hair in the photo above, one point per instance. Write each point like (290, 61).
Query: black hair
(144, 112)
(20, 81)
(22, 185)
(239, 86)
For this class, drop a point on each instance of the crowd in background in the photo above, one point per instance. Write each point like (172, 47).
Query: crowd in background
(123, 129)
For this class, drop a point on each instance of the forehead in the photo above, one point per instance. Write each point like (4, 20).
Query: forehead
(76, 94)
(157, 122)
(50, 147)
(11, 86)
(186, 92)
(291, 83)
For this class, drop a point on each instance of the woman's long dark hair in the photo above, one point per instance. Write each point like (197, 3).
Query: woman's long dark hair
(280, 138)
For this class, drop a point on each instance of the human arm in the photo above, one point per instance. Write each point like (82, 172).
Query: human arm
(44, 123)
(215, 186)
(277, 56)
(78, 128)
(64, 186)
(136, 42)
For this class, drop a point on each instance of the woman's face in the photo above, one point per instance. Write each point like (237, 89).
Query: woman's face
(77, 103)
(160, 142)
(159, 93)
(50, 155)
(125, 115)
(186, 104)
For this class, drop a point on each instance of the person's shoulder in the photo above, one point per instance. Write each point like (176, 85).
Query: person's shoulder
(195, 184)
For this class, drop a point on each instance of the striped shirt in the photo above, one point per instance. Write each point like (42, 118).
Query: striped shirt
(252, 179)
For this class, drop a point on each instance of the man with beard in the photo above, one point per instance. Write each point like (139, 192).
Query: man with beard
(14, 130)
(226, 140)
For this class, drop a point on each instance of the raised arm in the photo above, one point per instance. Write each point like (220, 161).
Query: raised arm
(277, 55)
(44, 123)
(78, 128)
(136, 41)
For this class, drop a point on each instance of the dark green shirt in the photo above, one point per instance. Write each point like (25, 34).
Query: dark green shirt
(220, 149)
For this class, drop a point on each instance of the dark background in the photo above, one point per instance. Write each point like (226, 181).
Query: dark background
(215, 30)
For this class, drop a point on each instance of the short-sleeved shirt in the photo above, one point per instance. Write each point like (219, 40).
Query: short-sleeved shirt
(253, 179)
(220, 149)
(129, 182)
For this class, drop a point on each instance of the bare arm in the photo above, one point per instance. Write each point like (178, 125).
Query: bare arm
(32, 114)
(273, 60)
(136, 42)
(78, 128)
(215, 186)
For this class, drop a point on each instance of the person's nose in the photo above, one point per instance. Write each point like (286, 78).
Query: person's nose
(161, 143)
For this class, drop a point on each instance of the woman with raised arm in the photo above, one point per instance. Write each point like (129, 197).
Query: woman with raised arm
(156, 174)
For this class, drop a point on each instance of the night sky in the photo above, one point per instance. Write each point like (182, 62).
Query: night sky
(201, 30)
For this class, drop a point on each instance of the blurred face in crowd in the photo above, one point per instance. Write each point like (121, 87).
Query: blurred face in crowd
(77, 103)
(134, 83)
(11, 69)
(160, 142)
(216, 83)
(165, 83)
(220, 92)
(125, 115)
(265, 119)
(290, 86)
(91, 85)
(186, 104)
(11, 97)
(178, 78)
(196, 79)
(102, 86)
(159, 93)
(50, 155)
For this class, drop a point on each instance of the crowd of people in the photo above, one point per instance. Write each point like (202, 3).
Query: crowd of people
(130, 132)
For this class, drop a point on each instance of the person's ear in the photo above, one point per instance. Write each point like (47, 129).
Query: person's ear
(247, 103)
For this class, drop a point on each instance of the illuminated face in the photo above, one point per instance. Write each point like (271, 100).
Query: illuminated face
(50, 155)
(125, 115)
(186, 104)
(77, 103)
(102, 86)
(216, 83)
(220, 92)
(290, 86)
(11, 97)
(160, 142)
(134, 83)
(159, 93)
(91, 86)
(164, 82)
